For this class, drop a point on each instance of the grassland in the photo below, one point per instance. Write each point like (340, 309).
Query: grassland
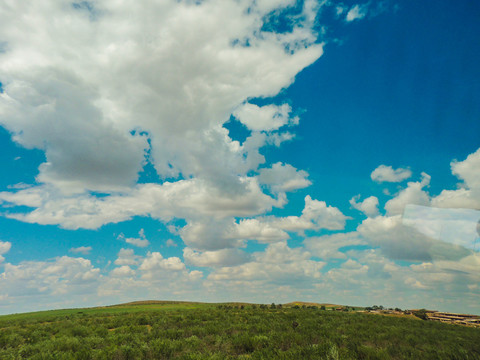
(167, 330)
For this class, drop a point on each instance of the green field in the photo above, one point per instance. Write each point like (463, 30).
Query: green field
(228, 331)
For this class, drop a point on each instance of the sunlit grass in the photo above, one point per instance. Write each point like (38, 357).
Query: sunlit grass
(211, 331)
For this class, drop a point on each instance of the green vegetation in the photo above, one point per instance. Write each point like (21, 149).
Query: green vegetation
(228, 331)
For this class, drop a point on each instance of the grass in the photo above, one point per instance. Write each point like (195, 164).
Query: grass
(228, 331)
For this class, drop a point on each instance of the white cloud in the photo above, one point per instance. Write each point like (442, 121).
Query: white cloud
(4, 248)
(356, 12)
(385, 173)
(219, 258)
(209, 234)
(95, 85)
(155, 261)
(413, 194)
(327, 246)
(403, 242)
(122, 271)
(64, 275)
(268, 117)
(316, 215)
(468, 170)
(188, 199)
(141, 241)
(84, 250)
(468, 195)
(369, 206)
(279, 264)
(283, 177)
(127, 257)
(456, 226)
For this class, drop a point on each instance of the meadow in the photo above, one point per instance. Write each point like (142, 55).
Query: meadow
(228, 331)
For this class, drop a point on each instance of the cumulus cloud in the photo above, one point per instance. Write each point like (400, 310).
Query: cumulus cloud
(155, 261)
(219, 258)
(95, 96)
(283, 177)
(412, 194)
(404, 242)
(227, 233)
(182, 199)
(456, 226)
(122, 271)
(268, 117)
(127, 257)
(84, 250)
(60, 276)
(468, 194)
(328, 246)
(385, 173)
(4, 248)
(369, 206)
(279, 264)
(141, 241)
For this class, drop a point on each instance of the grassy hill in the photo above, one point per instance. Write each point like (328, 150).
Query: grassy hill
(187, 330)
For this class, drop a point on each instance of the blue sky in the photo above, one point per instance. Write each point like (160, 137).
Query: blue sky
(263, 151)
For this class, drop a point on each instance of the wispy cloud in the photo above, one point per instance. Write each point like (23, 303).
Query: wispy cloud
(84, 250)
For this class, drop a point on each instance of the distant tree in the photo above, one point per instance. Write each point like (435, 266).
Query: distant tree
(323, 307)
(279, 306)
(254, 306)
(422, 314)
(296, 307)
(273, 306)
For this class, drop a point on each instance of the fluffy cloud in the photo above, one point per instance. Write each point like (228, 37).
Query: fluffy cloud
(224, 257)
(468, 194)
(122, 271)
(328, 246)
(4, 248)
(127, 257)
(283, 177)
(279, 264)
(456, 226)
(95, 94)
(182, 199)
(316, 215)
(385, 173)
(403, 242)
(141, 241)
(412, 194)
(268, 117)
(64, 275)
(468, 170)
(369, 206)
(215, 235)
(156, 262)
